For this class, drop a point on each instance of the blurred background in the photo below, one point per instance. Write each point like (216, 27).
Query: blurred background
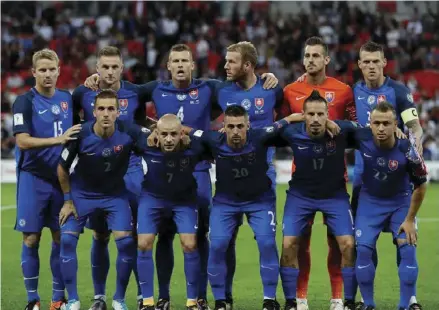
(144, 31)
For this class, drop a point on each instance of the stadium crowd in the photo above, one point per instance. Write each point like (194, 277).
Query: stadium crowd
(145, 31)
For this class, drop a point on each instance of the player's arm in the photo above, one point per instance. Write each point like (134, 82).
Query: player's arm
(77, 96)
(215, 108)
(271, 80)
(139, 135)
(352, 132)
(22, 124)
(409, 114)
(278, 106)
(350, 109)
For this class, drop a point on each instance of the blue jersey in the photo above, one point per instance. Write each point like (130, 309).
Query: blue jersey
(388, 172)
(320, 165)
(241, 175)
(102, 162)
(394, 92)
(41, 117)
(170, 175)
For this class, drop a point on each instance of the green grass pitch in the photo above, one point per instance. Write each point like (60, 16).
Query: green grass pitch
(247, 285)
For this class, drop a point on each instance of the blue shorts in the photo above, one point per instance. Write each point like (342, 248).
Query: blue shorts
(154, 211)
(374, 215)
(115, 213)
(133, 183)
(38, 203)
(299, 209)
(261, 216)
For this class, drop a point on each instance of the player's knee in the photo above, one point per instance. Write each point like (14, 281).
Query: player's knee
(145, 242)
(218, 245)
(364, 253)
(290, 247)
(291, 243)
(266, 244)
(101, 237)
(188, 242)
(69, 242)
(346, 244)
(31, 240)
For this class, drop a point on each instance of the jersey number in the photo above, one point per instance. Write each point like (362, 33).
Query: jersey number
(57, 129)
(107, 167)
(273, 220)
(380, 176)
(170, 176)
(180, 114)
(368, 119)
(240, 173)
(318, 163)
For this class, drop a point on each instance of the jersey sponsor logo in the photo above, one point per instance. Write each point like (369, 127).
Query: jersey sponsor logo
(170, 163)
(302, 147)
(64, 106)
(381, 161)
(181, 97)
(123, 104)
(193, 93)
(300, 97)
(184, 162)
(106, 152)
(331, 146)
(259, 103)
(329, 96)
(55, 109)
(230, 103)
(318, 148)
(393, 165)
(198, 133)
(18, 119)
(371, 99)
(42, 111)
(381, 98)
(118, 148)
(361, 98)
(246, 104)
(410, 98)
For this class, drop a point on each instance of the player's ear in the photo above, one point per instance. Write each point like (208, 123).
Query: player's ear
(384, 62)
(168, 65)
(34, 72)
(327, 60)
(359, 63)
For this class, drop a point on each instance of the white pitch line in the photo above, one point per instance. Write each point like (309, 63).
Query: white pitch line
(5, 208)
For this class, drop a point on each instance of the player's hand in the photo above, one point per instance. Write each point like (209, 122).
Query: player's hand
(67, 210)
(400, 134)
(153, 139)
(92, 82)
(301, 78)
(271, 80)
(332, 128)
(222, 130)
(68, 135)
(409, 227)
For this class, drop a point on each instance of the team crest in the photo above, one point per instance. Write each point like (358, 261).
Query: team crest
(56, 110)
(317, 148)
(259, 103)
(381, 161)
(246, 104)
(371, 99)
(118, 148)
(181, 97)
(193, 93)
(381, 98)
(393, 165)
(170, 163)
(106, 152)
(329, 96)
(65, 106)
(330, 146)
(184, 162)
(123, 104)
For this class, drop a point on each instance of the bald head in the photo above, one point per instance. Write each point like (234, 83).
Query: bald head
(170, 131)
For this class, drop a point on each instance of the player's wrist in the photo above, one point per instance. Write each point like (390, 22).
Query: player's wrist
(67, 196)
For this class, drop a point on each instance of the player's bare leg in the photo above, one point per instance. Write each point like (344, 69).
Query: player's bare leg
(145, 267)
(191, 268)
(289, 270)
(100, 265)
(334, 270)
(30, 265)
(304, 257)
(58, 299)
(347, 249)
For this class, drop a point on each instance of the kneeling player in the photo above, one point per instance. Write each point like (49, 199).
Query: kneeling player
(97, 183)
(169, 191)
(390, 165)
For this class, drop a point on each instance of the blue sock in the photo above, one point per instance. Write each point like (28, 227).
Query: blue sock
(269, 264)
(231, 266)
(164, 259)
(192, 273)
(216, 268)
(203, 250)
(289, 277)
(57, 281)
(365, 271)
(136, 273)
(124, 265)
(100, 265)
(349, 283)
(30, 265)
(408, 274)
(69, 264)
(145, 266)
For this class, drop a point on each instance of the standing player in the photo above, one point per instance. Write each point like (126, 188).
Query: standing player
(42, 123)
(340, 106)
(317, 184)
(131, 109)
(103, 148)
(374, 89)
(169, 191)
(386, 196)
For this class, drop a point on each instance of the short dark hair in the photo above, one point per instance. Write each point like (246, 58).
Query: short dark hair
(107, 94)
(235, 111)
(385, 106)
(371, 47)
(315, 96)
(311, 41)
(109, 51)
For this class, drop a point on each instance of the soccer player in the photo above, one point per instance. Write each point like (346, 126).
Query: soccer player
(317, 184)
(169, 191)
(376, 88)
(42, 124)
(103, 148)
(340, 106)
(386, 199)
(131, 109)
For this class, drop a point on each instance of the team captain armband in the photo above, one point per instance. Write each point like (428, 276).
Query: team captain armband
(409, 115)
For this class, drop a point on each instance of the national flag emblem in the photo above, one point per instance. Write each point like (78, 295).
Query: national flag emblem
(123, 104)
(329, 96)
(393, 165)
(118, 148)
(65, 106)
(193, 93)
(259, 103)
(381, 98)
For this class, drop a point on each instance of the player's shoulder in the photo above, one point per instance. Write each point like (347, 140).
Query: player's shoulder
(404, 145)
(127, 85)
(295, 128)
(396, 85)
(81, 89)
(86, 129)
(64, 92)
(224, 84)
(25, 97)
(358, 85)
(337, 85)
(296, 87)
